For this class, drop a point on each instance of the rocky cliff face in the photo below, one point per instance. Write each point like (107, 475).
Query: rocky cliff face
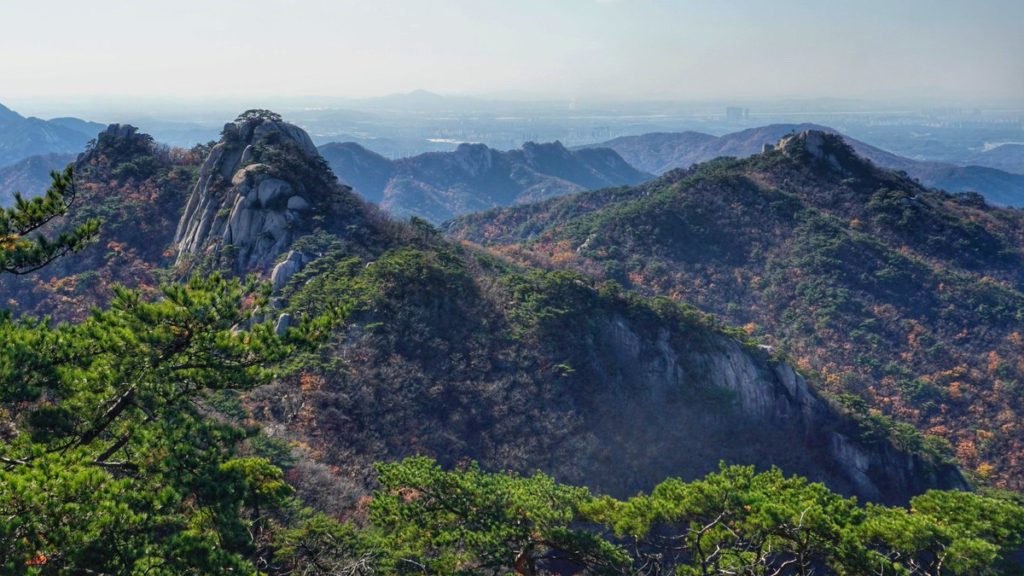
(260, 188)
(825, 149)
(740, 406)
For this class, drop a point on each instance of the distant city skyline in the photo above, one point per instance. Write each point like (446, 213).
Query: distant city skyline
(743, 50)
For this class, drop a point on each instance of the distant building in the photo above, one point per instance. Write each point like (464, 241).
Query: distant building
(737, 113)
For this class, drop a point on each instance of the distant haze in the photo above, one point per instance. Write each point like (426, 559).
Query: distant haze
(614, 49)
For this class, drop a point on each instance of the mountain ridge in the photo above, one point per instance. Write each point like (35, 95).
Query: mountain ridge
(22, 137)
(30, 176)
(1006, 157)
(439, 185)
(663, 151)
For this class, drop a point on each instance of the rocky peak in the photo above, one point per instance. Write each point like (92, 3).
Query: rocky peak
(263, 127)
(118, 153)
(475, 159)
(261, 187)
(822, 148)
(118, 131)
(117, 142)
(534, 151)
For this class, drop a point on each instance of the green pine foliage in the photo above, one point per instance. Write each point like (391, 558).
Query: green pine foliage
(22, 249)
(426, 520)
(111, 461)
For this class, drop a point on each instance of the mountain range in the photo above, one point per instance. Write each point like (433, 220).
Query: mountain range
(30, 176)
(440, 185)
(907, 297)
(22, 137)
(474, 177)
(658, 153)
(445, 350)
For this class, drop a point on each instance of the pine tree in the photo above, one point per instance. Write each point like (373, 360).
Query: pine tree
(23, 248)
(109, 460)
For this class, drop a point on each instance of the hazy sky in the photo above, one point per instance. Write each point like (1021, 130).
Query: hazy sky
(650, 49)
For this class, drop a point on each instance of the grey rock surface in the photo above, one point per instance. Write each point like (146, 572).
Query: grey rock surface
(284, 321)
(759, 396)
(257, 191)
(286, 269)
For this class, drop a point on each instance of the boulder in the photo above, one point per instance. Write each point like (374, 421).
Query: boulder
(271, 190)
(284, 321)
(298, 203)
(242, 174)
(265, 130)
(286, 269)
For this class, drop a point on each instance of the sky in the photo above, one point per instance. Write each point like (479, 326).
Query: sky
(600, 49)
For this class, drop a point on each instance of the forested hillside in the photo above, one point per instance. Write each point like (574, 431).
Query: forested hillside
(137, 189)
(908, 298)
(468, 347)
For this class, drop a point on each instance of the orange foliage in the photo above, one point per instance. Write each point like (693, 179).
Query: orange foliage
(310, 382)
(955, 390)
(985, 470)
(994, 361)
(966, 451)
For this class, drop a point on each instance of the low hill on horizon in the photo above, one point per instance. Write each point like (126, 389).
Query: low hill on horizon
(1007, 157)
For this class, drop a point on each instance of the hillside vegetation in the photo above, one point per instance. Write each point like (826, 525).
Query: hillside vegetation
(136, 188)
(383, 403)
(909, 298)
